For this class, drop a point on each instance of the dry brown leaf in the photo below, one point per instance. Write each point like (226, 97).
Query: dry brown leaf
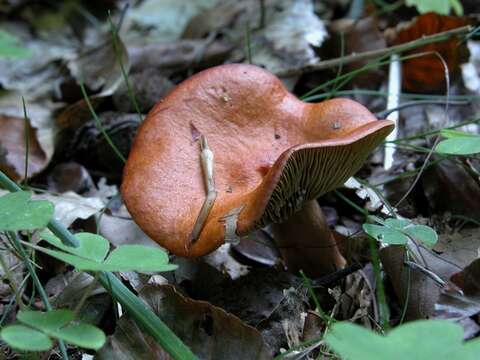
(460, 299)
(356, 36)
(427, 73)
(440, 185)
(12, 141)
(209, 331)
(42, 131)
(70, 206)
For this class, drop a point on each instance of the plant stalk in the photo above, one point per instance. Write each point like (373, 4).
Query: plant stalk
(366, 55)
(38, 285)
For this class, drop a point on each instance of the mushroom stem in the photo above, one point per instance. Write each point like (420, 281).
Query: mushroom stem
(307, 243)
(206, 158)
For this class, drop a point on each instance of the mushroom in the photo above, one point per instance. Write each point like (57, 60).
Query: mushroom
(273, 155)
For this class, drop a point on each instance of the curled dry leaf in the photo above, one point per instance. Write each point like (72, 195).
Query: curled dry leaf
(451, 253)
(374, 202)
(71, 206)
(98, 66)
(222, 260)
(460, 248)
(440, 185)
(423, 291)
(12, 142)
(149, 85)
(38, 75)
(210, 332)
(258, 247)
(69, 176)
(460, 299)
(427, 73)
(277, 44)
(181, 54)
(163, 20)
(41, 129)
(120, 229)
(282, 44)
(355, 36)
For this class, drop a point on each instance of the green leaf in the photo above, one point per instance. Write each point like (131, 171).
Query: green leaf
(385, 234)
(78, 262)
(459, 146)
(45, 321)
(18, 212)
(396, 232)
(138, 258)
(423, 234)
(448, 133)
(441, 7)
(356, 343)
(457, 7)
(92, 249)
(24, 338)
(58, 324)
(398, 224)
(10, 48)
(83, 335)
(413, 340)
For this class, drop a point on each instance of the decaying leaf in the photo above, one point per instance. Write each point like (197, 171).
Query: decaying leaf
(164, 20)
(12, 140)
(98, 66)
(452, 253)
(460, 299)
(69, 176)
(41, 129)
(374, 202)
(210, 332)
(427, 73)
(222, 260)
(120, 229)
(71, 206)
(282, 44)
(460, 248)
(422, 290)
(276, 44)
(349, 36)
(38, 75)
(440, 184)
(258, 247)
(181, 54)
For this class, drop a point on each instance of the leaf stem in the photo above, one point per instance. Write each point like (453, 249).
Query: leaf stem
(38, 285)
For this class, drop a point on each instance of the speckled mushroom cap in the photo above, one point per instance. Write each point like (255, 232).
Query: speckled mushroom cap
(271, 152)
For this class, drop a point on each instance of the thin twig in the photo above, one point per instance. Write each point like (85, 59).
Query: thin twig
(415, 266)
(322, 65)
(27, 141)
(437, 140)
(384, 113)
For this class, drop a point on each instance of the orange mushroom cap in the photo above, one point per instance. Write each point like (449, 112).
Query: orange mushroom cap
(271, 152)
